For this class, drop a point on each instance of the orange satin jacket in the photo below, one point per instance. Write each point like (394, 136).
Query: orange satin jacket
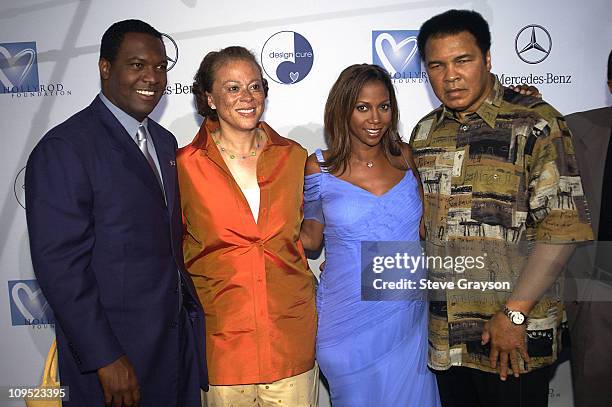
(252, 278)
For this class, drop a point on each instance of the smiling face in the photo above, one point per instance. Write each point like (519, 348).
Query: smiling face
(371, 115)
(458, 71)
(136, 79)
(237, 95)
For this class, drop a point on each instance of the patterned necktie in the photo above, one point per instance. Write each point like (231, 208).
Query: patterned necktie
(142, 137)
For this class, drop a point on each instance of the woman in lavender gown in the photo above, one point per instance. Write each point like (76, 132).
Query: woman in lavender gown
(365, 188)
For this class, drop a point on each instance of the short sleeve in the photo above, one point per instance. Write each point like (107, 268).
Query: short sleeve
(558, 208)
(313, 207)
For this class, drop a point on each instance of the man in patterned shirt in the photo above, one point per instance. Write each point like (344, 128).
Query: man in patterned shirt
(501, 185)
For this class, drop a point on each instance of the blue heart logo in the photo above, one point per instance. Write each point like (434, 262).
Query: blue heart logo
(30, 301)
(395, 56)
(15, 68)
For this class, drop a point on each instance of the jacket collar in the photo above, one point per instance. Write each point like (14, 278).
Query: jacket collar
(203, 140)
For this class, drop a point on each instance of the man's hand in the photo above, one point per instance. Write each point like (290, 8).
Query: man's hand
(527, 90)
(507, 342)
(119, 383)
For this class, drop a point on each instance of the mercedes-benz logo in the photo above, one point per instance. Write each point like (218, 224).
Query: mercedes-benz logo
(533, 44)
(19, 187)
(171, 50)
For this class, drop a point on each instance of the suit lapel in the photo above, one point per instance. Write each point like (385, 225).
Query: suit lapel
(122, 142)
(166, 156)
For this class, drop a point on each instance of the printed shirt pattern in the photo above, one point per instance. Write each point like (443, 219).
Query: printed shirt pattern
(496, 182)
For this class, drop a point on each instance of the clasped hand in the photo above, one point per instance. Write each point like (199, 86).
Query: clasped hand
(508, 343)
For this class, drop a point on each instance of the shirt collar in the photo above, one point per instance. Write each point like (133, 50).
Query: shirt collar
(204, 142)
(487, 111)
(128, 122)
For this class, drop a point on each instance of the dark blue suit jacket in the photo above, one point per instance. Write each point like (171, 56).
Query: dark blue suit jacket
(106, 249)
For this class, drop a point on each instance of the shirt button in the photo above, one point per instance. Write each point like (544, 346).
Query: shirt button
(465, 127)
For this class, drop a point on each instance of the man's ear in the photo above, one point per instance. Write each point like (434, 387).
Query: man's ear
(488, 60)
(104, 66)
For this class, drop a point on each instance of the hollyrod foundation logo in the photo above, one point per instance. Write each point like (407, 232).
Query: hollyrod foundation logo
(19, 72)
(28, 305)
(396, 51)
(18, 66)
(287, 57)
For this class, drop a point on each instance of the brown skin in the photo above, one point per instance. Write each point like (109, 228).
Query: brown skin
(239, 99)
(140, 66)
(460, 76)
(119, 384)
(372, 111)
(527, 90)
(542, 269)
(238, 96)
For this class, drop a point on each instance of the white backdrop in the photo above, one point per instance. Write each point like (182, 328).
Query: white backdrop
(59, 42)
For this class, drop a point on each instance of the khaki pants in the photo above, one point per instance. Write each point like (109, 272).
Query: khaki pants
(296, 391)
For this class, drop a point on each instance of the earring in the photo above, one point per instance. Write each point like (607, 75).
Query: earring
(213, 107)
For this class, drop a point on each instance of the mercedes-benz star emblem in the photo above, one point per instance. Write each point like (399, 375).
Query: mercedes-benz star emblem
(171, 50)
(533, 44)
(19, 187)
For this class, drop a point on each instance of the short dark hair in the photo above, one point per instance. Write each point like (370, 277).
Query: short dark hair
(339, 110)
(113, 37)
(454, 22)
(205, 77)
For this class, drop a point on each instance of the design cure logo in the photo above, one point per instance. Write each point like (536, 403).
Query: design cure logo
(287, 57)
(533, 44)
(28, 305)
(397, 52)
(18, 67)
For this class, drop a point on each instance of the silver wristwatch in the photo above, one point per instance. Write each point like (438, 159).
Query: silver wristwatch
(516, 317)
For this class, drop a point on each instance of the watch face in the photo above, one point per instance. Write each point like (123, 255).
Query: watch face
(518, 318)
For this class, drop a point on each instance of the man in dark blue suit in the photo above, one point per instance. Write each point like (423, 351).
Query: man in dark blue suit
(105, 232)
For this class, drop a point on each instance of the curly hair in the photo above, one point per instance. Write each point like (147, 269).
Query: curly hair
(454, 22)
(205, 77)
